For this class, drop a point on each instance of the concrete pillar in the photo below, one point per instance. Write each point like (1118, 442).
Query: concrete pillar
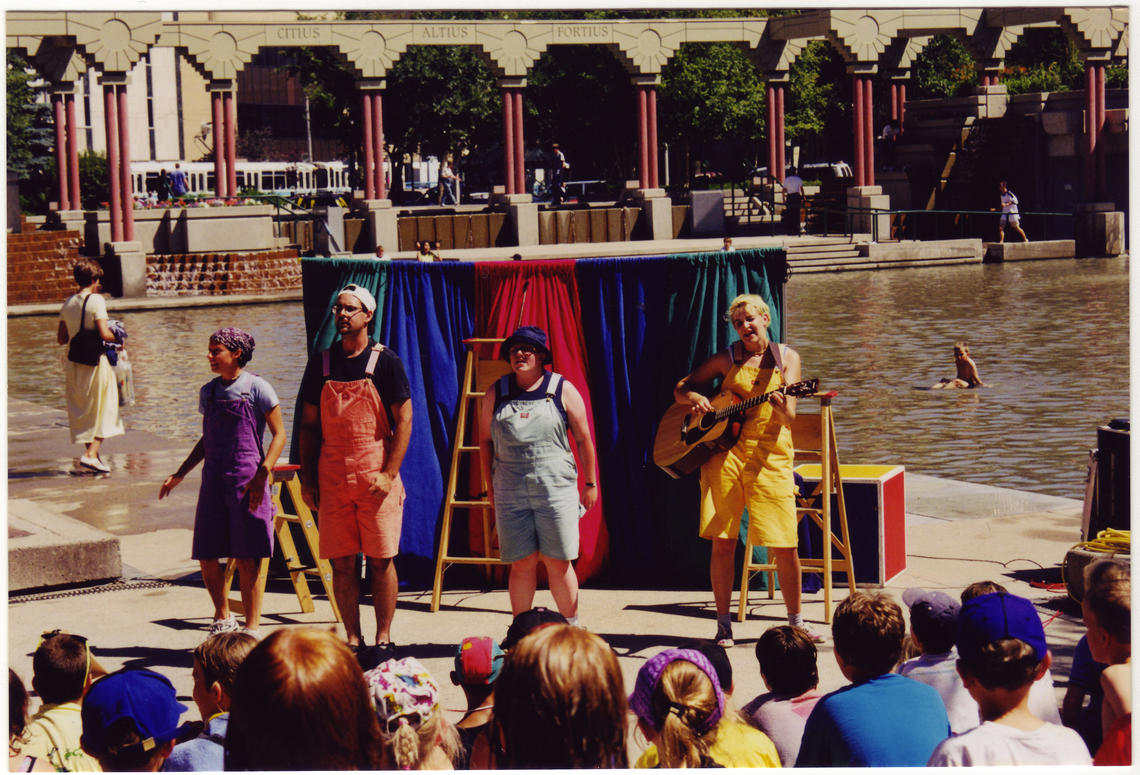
(111, 118)
(126, 186)
(508, 141)
(382, 224)
(131, 261)
(366, 126)
(652, 94)
(219, 142)
(60, 117)
(520, 144)
(231, 142)
(524, 216)
(781, 144)
(73, 152)
(857, 128)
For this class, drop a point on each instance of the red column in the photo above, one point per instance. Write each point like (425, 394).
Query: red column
(652, 94)
(1091, 112)
(772, 130)
(868, 132)
(1101, 111)
(125, 167)
(509, 140)
(857, 127)
(61, 150)
(642, 139)
(894, 102)
(520, 144)
(73, 151)
(366, 126)
(111, 118)
(902, 106)
(378, 146)
(231, 143)
(219, 144)
(780, 144)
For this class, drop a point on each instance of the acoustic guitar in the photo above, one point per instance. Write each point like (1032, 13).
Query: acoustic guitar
(684, 441)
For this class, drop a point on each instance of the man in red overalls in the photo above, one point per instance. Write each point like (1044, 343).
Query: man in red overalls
(356, 421)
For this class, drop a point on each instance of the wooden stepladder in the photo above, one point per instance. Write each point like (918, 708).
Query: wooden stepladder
(813, 437)
(478, 375)
(285, 477)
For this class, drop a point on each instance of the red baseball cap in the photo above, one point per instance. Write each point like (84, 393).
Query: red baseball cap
(478, 661)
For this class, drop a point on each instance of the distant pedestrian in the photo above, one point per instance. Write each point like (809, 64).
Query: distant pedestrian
(1009, 213)
(447, 180)
(162, 186)
(558, 168)
(178, 185)
(793, 202)
(728, 248)
(380, 253)
(92, 394)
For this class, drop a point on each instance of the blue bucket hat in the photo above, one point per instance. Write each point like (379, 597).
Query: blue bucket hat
(532, 335)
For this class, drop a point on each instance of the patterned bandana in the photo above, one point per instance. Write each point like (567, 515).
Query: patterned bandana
(235, 339)
(402, 692)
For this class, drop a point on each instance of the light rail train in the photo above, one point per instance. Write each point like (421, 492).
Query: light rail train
(267, 177)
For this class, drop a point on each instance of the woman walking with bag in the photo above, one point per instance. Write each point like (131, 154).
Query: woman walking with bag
(92, 395)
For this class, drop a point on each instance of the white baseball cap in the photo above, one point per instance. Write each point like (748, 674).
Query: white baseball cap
(367, 300)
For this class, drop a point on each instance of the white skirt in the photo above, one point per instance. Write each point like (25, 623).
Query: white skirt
(92, 401)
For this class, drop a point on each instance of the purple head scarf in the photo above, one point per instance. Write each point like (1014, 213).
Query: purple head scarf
(234, 339)
(641, 700)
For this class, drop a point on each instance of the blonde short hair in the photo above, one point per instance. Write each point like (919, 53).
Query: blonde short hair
(747, 300)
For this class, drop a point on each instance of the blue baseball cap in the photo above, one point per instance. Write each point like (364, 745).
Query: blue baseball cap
(143, 696)
(997, 616)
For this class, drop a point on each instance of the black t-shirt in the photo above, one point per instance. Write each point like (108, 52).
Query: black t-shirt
(389, 376)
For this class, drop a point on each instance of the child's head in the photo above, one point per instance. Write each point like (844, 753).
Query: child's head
(61, 667)
(1001, 642)
(961, 348)
(787, 661)
(478, 662)
(1107, 610)
(17, 706)
(406, 699)
(1108, 569)
(717, 656)
(868, 630)
(678, 703)
(529, 621)
(130, 720)
(933, 619)
(237, 341)
(216, 661)
(979, 588)
(560, 703)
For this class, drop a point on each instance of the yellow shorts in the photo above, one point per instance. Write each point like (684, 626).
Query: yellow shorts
(748, 476)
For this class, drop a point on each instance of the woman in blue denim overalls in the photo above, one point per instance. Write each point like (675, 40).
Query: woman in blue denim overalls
(530, 470)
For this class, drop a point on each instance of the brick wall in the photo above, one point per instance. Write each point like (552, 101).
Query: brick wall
(212, 274)
(39, 266)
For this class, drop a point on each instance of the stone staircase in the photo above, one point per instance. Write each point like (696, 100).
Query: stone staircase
(825, 254)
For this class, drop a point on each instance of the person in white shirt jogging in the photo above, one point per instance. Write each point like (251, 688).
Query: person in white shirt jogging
(1009, 213)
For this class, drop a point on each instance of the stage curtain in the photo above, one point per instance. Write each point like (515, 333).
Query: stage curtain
(647, 322)
(427, 316)
(545, 294)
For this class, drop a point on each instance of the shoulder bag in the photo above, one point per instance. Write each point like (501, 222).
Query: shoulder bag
(86, 346)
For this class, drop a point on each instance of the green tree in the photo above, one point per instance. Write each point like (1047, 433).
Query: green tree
(943, 69)
(94, 180)
(817, 103)
(31, 137)
(712, 108)
(1043, 59)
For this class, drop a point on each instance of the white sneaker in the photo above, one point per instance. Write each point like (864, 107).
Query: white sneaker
(724, 635)
(256, 633)
(811, 632)
(95, 464)
(229, 624)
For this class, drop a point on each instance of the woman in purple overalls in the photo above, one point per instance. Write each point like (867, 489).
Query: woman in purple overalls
(235, 512)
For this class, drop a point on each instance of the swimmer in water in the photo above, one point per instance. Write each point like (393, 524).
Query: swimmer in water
(967, 376)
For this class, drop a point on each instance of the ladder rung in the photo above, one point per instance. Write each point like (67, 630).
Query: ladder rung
(468, 448)
(474, 561)
(471, 504)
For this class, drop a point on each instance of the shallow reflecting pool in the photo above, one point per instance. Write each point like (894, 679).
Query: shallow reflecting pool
(1050, 337)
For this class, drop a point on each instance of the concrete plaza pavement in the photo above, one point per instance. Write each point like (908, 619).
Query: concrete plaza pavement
(956, 533)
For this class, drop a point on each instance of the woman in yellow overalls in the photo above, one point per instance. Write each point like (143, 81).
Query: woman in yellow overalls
(756, 474)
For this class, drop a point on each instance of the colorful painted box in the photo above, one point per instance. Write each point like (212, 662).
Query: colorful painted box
(876, 519)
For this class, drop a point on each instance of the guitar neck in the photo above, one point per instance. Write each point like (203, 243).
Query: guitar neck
(747, 403)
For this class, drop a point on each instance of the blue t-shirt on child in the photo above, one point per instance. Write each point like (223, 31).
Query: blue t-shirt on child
(260, 393)
(888, 721)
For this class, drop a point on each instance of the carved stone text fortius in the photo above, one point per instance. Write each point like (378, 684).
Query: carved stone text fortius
(579, 31)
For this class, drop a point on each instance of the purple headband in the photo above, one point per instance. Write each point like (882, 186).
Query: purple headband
(641, 700)
(235, 339)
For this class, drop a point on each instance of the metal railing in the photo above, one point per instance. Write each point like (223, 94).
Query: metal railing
(946, 224)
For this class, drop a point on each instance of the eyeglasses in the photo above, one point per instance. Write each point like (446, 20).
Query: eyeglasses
(528, 349)
(344, 309)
